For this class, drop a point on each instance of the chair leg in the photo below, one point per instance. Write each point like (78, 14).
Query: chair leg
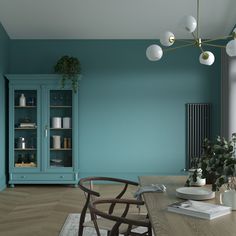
(96, 227)
(150, 231)
(81, 229)
(128, 232)
(82, 218)
(81, 222)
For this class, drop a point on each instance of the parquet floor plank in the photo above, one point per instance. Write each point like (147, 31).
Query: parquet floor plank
(41, 210)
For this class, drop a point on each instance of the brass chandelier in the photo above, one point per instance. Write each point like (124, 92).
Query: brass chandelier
(155, 52)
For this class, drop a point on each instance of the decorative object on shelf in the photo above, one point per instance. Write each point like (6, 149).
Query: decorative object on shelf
(66, 122)
(67, 143)
(56, 141)
(189, 23)
(56, 122)
(21, 143)
(31, 164)
(31, 101)
(56, 162)
(22, 100)
(27, 125)
(70, 69)
(218, 161)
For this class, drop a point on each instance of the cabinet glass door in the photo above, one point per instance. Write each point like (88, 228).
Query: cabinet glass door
(60, 128)
(25, 129)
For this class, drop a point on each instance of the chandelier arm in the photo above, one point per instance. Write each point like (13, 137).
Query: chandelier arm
(183, 40)
(201, 49)
(223, 37)
(182, 46)
(194, 36)
(213, 45)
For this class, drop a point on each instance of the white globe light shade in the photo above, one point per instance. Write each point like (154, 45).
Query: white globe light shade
(154, 52)
(207, 58)
(189, 23)
(167, 39)
(231, 48)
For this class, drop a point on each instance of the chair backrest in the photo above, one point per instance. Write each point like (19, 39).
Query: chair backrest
(91, 180)
(122, 219)
(86, 185)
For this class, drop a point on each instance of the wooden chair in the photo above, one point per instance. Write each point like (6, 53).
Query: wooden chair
(123, 224)
(86, 184)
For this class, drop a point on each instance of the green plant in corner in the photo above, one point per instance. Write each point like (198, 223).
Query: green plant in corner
(70, 69)
(219, 162)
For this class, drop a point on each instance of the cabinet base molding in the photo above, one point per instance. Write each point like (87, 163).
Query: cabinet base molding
(43, 178)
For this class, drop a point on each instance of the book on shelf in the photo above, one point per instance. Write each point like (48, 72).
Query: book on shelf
(199, 209)
(27, 125)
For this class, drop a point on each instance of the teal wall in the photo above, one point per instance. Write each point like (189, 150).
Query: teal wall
(4, 52)
(131, 110)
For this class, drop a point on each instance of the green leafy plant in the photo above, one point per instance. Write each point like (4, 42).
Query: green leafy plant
(219, 162)
(70, 69)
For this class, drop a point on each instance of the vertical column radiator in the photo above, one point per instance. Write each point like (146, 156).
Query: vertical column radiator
(198, 122)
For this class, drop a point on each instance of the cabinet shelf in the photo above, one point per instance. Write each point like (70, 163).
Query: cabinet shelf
(25, 107)
(60, 149)
(25, 128)
(60, 128)
(25, 149)
(60, 106)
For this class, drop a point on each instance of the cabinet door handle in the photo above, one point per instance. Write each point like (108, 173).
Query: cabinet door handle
(46, 131)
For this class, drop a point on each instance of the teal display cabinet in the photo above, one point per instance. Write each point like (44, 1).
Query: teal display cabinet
(43, 131)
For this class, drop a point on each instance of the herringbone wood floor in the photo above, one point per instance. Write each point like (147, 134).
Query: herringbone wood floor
(39, 210)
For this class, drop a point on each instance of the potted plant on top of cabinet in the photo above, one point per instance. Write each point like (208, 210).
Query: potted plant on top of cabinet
(70, 69)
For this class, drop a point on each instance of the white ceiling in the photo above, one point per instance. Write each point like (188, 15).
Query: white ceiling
(112, 19)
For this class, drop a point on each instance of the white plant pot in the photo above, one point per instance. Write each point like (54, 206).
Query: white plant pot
(199, 181)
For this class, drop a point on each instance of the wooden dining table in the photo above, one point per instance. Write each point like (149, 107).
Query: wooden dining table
(167, 223)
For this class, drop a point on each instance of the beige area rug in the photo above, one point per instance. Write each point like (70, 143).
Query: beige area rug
(71, 227)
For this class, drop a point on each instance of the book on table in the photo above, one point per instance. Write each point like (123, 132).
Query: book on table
(199, 209)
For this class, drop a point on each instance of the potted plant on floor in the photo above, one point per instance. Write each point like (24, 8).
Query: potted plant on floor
(70, 69)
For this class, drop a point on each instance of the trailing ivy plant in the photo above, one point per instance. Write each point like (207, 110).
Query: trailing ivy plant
(70, 69)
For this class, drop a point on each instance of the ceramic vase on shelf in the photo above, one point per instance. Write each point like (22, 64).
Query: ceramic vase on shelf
(22, 101)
